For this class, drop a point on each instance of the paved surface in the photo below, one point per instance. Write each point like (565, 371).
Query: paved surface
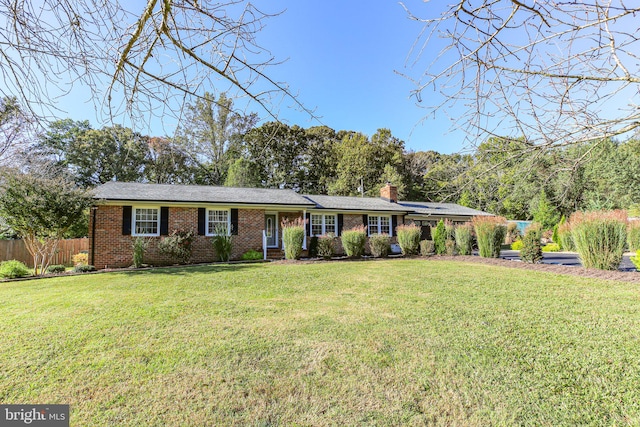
(564, 258)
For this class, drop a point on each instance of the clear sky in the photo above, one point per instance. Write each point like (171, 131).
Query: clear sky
(342, 60)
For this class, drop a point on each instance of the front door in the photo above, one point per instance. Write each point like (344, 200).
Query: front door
(271, 229)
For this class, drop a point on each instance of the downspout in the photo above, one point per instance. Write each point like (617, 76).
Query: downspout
(304, 241)
(94, 210)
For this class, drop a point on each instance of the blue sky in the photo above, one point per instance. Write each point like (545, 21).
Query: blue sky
(342, 58)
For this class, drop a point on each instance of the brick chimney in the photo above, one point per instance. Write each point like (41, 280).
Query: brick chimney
(389, 193)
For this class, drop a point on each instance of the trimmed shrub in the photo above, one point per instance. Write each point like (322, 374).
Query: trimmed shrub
(517, 245)
(326, 247)
(353, 241)
(564, 237)
(464, 238)
(177, 246)
(440, 237)
(633, 235)
(293, 237)
(252, 255)
(139, 245)
(80, 258)
(83, 268)
(600, 238)
(450, 247)
(56, 269)
(427, 248)
(531, 251)
(551, 247)
(13, 269)
(380, 245)
(636, 260)
(408, 238)
(490, 232)
(312, 247)
(222, 243)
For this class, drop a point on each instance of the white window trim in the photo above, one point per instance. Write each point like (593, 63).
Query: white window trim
(206, 220)
(133, 221)
(324, 223)
(380, 224)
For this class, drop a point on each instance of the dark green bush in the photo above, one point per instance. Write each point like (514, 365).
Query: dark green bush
(326, 248)
(83, 268)
(252, 255)
(56, 269)
(380, 245)
(293, 237)
(464, 238)
(440, 237)
(13, 269)
(600, 238)
(139, 245)
(408, 238)
(177, 245)
(490, 233)
(427, 248)
(312, 247)
(353, 241)
(531, 251)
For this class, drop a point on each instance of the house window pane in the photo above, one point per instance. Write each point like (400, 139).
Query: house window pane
(316, 225)
(373, 225)
(146, 221)
(330, 224)
(218, 222)
(385, 225)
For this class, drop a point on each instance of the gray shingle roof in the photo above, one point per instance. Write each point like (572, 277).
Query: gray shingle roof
(131, 191)
(355, 203)
(428, 208)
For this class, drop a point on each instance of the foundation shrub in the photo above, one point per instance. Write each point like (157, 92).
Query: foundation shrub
(600, 237)
(139, 245)
(450, 247)
(380, 245)
(464, 238)
(490, 233)
(353, 241)
(408, 238)
(222, 243)
(326, 248)
(439, 237)
(177, 246)
(252, 255)
(427, 248)
(293, 237)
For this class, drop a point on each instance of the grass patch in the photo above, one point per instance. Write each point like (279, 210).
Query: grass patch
(386, 343)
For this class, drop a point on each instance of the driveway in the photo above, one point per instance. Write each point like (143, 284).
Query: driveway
(564, 258)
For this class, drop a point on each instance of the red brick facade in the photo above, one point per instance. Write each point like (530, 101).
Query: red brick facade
(111, 248)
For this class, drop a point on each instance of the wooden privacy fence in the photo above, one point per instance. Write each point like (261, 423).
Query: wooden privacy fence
(16, 249)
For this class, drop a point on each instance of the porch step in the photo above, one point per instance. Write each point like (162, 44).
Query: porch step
(275, 253)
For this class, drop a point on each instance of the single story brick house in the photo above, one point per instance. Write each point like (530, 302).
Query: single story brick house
(123, 210)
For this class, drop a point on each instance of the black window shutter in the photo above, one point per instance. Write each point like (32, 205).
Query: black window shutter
(202, 219)
(394, 224)
(308, 225)
(164, 221)
(126, 220)
(340, 224)
(234, 222)
(365, 220)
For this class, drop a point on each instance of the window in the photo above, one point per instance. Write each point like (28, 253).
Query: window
(217, 220)
(146, 222)
(379, 225)
(323, 224)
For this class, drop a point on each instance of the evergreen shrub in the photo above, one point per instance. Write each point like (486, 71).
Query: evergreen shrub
(531, 251)
(408, 238)
(380, 245)
(353, 241)
(13, 269)
(293, 237)
(325, 246)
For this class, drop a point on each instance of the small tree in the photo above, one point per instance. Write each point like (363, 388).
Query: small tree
(531, 251)
(41, 209)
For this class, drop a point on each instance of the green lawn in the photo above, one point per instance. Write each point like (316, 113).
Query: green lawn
(346, 343)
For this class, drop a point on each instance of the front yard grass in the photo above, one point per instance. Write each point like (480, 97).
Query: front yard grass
(352, 343)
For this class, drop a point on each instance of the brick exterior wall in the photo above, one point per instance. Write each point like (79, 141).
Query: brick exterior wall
(113, 249)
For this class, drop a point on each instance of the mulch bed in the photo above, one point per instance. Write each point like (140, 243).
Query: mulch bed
(620, 276)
